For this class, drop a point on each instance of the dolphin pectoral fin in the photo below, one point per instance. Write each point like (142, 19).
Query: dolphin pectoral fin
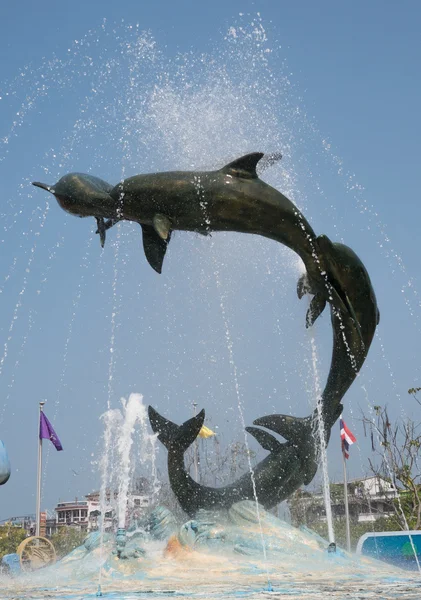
(162, 226)
(101, 230)
(245, 166)
(265, 439)
(154, 247)
(317, 306)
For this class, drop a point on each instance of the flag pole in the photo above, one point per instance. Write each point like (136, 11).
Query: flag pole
(196, 449)
(348, 531)
(39, 473)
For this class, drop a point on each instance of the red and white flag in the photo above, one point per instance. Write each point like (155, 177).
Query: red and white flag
(347, 437)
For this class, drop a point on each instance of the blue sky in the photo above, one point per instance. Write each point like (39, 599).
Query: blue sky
(334, 87)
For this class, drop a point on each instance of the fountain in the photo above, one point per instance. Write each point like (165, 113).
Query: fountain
(129, 327)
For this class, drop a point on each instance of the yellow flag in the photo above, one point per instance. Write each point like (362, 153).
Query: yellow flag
(205, 432)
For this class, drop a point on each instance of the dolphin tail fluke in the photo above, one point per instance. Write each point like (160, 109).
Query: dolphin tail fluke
(172, 435)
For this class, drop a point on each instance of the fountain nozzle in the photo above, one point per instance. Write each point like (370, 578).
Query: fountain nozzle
(331, 548)
(120, 540)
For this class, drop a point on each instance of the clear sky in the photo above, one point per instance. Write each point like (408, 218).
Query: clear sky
(122, 88)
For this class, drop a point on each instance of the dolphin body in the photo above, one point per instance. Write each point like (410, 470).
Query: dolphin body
(293, 463)
(229, 199)
(288, 465)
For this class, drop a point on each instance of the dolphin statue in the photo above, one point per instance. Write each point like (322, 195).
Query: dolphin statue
(232, 198)
(288, 465)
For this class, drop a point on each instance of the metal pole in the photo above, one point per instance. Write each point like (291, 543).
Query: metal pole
(348, 531)
(196, 449)
(39, 473)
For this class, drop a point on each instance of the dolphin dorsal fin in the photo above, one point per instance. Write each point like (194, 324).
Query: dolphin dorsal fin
(244, 167)
(265, 439)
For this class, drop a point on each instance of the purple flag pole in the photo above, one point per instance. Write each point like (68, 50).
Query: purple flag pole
(38, 510)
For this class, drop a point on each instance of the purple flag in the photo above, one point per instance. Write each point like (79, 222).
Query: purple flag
(46, 431)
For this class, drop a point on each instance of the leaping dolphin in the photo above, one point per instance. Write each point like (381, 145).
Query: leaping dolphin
(288, 466)
(229, 199)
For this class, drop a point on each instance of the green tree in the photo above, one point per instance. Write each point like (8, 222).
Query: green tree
(397, 455)
(10, 538)
(66, 540)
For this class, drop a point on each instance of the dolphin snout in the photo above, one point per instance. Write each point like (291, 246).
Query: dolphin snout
(43, 186)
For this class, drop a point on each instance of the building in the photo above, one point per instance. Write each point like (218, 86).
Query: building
(27, 522)
(73, 514)
(369, 499)
(373, 496)
(85, 514)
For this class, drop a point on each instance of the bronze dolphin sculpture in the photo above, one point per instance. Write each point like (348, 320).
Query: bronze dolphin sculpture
(288, 466)
(293, 463)
(232, 198)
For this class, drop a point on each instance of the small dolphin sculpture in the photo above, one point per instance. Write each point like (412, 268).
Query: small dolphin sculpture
(288, 466)
(230, 199)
